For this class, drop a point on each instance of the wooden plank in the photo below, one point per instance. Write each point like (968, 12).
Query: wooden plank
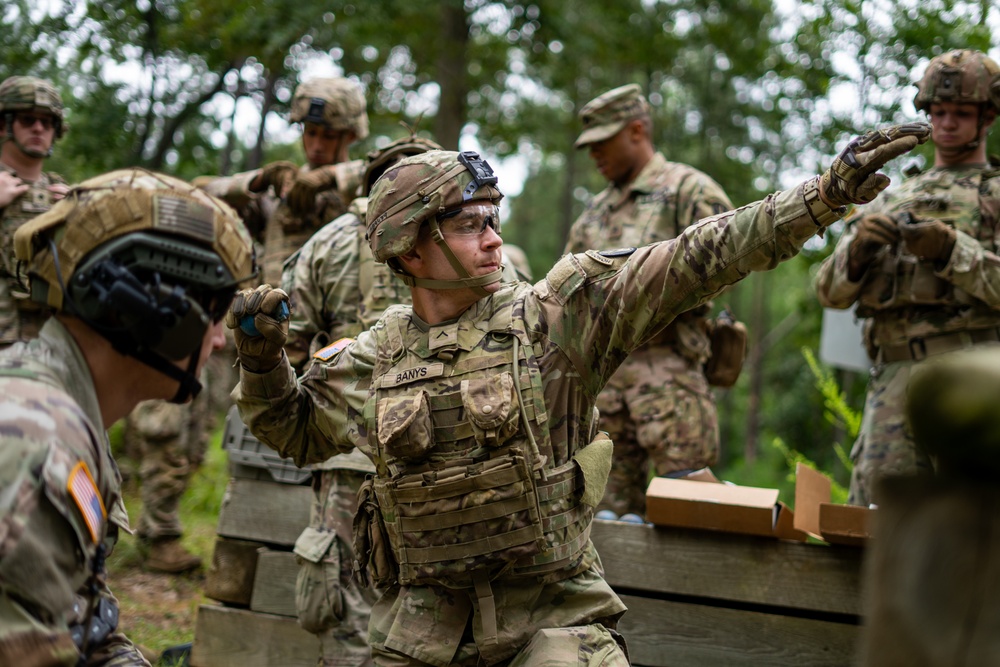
(226, 637)
(274, 585)
(675, 634)
(230, 577)
(264, 511)
(725, 566)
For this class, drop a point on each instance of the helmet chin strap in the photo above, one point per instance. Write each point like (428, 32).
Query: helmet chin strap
(465, 281)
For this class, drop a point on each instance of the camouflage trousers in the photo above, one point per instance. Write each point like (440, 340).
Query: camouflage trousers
(170, 442)
(661, 416)
(885, 444)
(329, 601)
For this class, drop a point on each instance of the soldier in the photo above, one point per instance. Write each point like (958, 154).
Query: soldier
(286, 204)
(476, 404)
(139, 269)
(31, 119)
(922, 264)
(336, 289)
(658, 408)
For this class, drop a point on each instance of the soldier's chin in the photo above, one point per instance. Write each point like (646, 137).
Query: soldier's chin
(492, 287)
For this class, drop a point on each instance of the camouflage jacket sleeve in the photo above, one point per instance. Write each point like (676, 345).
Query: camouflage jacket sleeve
(600, 307)
(974, 269)
(833, 288)
(312, 418)
(321, 279)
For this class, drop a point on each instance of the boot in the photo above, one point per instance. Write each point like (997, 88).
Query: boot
(169, 556)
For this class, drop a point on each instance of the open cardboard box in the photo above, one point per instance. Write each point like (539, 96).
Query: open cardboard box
(700, 501)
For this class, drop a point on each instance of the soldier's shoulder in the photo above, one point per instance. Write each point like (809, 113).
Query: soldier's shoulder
(574, 270)
(35, 409)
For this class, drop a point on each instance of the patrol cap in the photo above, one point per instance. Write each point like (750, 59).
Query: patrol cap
(604, 116)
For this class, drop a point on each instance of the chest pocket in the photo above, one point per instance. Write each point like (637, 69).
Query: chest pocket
(493, 406)
(405, 429)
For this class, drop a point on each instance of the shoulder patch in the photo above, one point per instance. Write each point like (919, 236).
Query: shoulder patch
(84, 492)
(328, 352)
(617, 252)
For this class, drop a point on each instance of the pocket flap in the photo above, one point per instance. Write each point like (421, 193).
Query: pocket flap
(313, 544)
(488, 400)
(397, 413)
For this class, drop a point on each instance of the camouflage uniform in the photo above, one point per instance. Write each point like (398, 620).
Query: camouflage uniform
(915, 308)
(658, 407)
(62, 509)
(170, 441)
(20, 318)
(503, 395)
(910, 303)
(335, 103)
(336, 290)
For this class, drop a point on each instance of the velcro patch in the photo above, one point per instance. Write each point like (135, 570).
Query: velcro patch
(394, 379)
(84, 492)
(328, 352)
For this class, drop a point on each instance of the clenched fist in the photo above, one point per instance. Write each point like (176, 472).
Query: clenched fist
(259, 320)
(853, 178)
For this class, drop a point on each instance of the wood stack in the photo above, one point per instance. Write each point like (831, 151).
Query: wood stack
(252, 576)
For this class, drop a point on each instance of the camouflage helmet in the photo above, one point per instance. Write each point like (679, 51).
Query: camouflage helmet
(381, 159)
(335, 102)
(419, 187)
(146, 260)
(962, 76)
(26, 93)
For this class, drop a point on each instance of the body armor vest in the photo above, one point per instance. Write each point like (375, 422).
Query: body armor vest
(466, 491)
(902, 279)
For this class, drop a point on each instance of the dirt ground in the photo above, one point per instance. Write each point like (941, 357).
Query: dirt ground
(157, 610)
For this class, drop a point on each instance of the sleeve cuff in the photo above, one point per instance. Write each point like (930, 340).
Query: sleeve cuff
(822, 215)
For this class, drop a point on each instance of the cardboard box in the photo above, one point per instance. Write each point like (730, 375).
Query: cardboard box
(726, 507)
(689, 503)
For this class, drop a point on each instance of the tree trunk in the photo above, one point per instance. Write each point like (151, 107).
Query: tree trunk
(453, 40)
(256, 156)
(755, 364)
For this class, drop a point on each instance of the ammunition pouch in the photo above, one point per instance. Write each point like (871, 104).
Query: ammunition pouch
(375, 563)
(729, 351)
(444, 525)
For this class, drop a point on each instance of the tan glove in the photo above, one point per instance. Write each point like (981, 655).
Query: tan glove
(871, 234)
(853, 177)
(302, 196)
(275, 175)
(259, 320)
(929, 239)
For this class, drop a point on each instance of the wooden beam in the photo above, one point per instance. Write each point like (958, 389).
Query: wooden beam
(730, 567)
(673, 634)
(230, 577)
(274, 585)
(264, 511)
(226, 637)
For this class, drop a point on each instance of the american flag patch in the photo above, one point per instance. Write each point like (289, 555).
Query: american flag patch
(84, 492)
(333, 348)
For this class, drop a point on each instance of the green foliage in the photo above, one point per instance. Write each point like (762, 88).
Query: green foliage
(838, 411)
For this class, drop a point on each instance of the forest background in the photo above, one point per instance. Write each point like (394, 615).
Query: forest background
(757, 93)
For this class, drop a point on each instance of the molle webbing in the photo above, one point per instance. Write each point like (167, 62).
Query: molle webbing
(448, 524)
